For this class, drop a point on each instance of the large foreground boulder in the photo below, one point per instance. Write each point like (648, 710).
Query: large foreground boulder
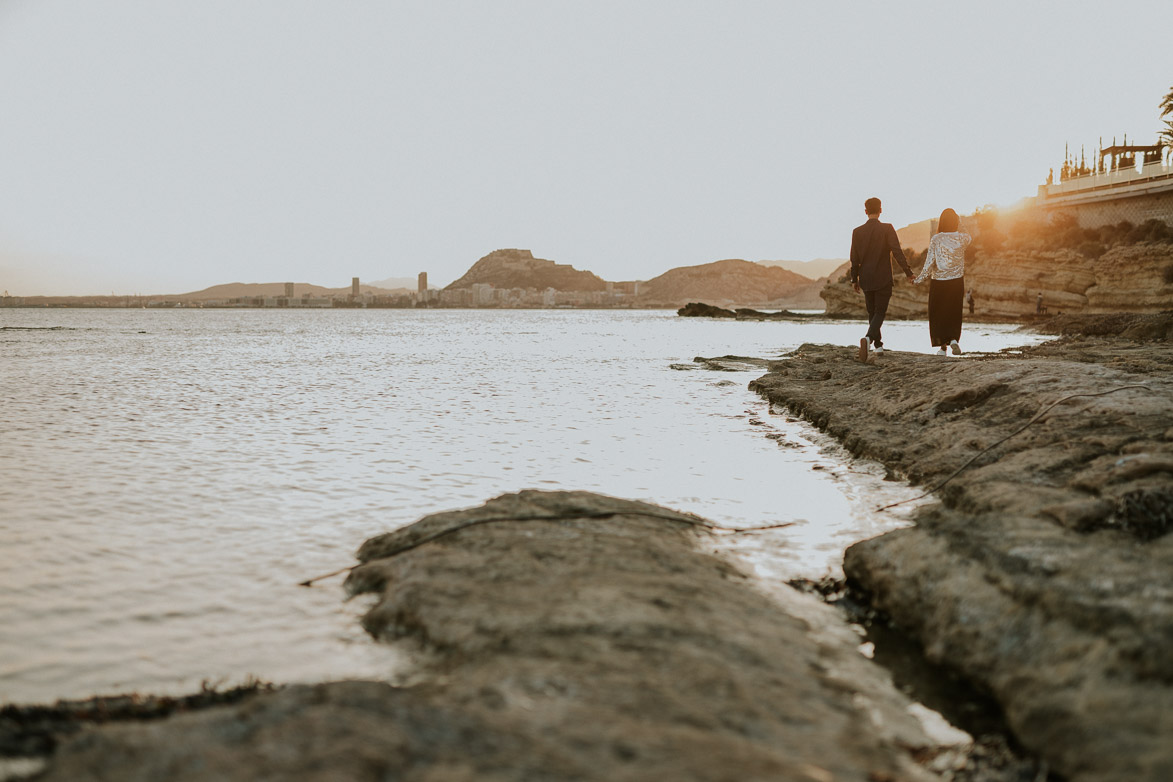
(560, 636)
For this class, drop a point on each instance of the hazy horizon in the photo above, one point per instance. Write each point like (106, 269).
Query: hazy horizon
(163, 149)
(803, 268)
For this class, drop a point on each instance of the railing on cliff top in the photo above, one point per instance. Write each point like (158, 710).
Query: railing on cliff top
(1150, 173)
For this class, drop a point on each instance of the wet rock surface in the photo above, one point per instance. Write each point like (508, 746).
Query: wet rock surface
(33, 731)
(561, 636)
(1045, 572)
(1132, 329)
(698, 309)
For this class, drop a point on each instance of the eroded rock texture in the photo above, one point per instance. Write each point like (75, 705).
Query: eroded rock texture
(1045, 573)
(1006, 284)
(564, 636)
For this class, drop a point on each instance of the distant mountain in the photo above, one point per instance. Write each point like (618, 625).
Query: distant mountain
(729, 283)
(732, 282)
(407, 283)
(236, 290)
(819, 267)
(520, 269)
(915, 236)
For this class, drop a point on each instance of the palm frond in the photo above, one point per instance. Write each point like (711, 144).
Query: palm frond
(1166, 136)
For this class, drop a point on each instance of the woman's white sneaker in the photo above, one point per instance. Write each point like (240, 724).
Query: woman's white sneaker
(942, 352)
(955, 348)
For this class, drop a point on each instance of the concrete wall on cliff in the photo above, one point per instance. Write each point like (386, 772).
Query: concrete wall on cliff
(1135, 209)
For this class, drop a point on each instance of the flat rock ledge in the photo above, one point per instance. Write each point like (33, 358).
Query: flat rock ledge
(562, 636)
(1044, 572)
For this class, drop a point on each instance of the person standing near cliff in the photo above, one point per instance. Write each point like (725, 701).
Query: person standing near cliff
(873, 245)
(945, 264)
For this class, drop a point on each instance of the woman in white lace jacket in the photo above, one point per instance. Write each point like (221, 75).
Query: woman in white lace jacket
(945, 266)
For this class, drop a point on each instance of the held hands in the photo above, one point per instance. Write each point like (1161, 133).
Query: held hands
(857, 289)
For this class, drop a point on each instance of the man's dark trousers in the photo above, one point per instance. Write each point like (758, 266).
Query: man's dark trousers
(877, 304)
(873, 246)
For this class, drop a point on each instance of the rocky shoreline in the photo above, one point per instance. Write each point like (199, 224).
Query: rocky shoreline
(698, 309)
(1045, 571)
(560, 636)
(568, 635)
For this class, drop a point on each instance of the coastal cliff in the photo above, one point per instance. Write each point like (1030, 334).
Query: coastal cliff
(1121, 268)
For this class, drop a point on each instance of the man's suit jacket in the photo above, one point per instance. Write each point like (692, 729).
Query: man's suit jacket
(873, 245)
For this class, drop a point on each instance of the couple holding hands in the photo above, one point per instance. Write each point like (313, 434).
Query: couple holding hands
(872, 246)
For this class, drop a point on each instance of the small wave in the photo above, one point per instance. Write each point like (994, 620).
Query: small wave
(41, 328)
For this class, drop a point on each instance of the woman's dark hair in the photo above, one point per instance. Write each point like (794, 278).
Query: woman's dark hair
(949, 222)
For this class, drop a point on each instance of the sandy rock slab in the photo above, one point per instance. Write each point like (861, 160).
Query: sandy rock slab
(1045, 571)
(563, 636)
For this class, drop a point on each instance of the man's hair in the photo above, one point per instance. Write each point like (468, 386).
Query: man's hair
(872, 206)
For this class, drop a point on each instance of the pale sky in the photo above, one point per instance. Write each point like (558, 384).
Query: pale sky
(162, 147)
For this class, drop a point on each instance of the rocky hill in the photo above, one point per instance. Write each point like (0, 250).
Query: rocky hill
(520, 269)
(1121, 268)
(816, 269)
(731, 283)
(915, 236)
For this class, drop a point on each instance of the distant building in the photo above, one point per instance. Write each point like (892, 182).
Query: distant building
(354, 287)
(1135, 186)
(289, 290)
(422, 286)
(482, 293)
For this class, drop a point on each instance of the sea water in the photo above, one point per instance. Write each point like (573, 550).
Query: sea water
(168, 477)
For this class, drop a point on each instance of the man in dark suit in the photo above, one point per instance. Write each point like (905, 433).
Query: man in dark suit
(873, 245)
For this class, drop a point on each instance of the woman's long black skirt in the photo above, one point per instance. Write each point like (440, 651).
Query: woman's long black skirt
(945, 299)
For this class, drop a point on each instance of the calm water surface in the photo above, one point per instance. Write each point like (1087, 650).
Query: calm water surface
(167, 477)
